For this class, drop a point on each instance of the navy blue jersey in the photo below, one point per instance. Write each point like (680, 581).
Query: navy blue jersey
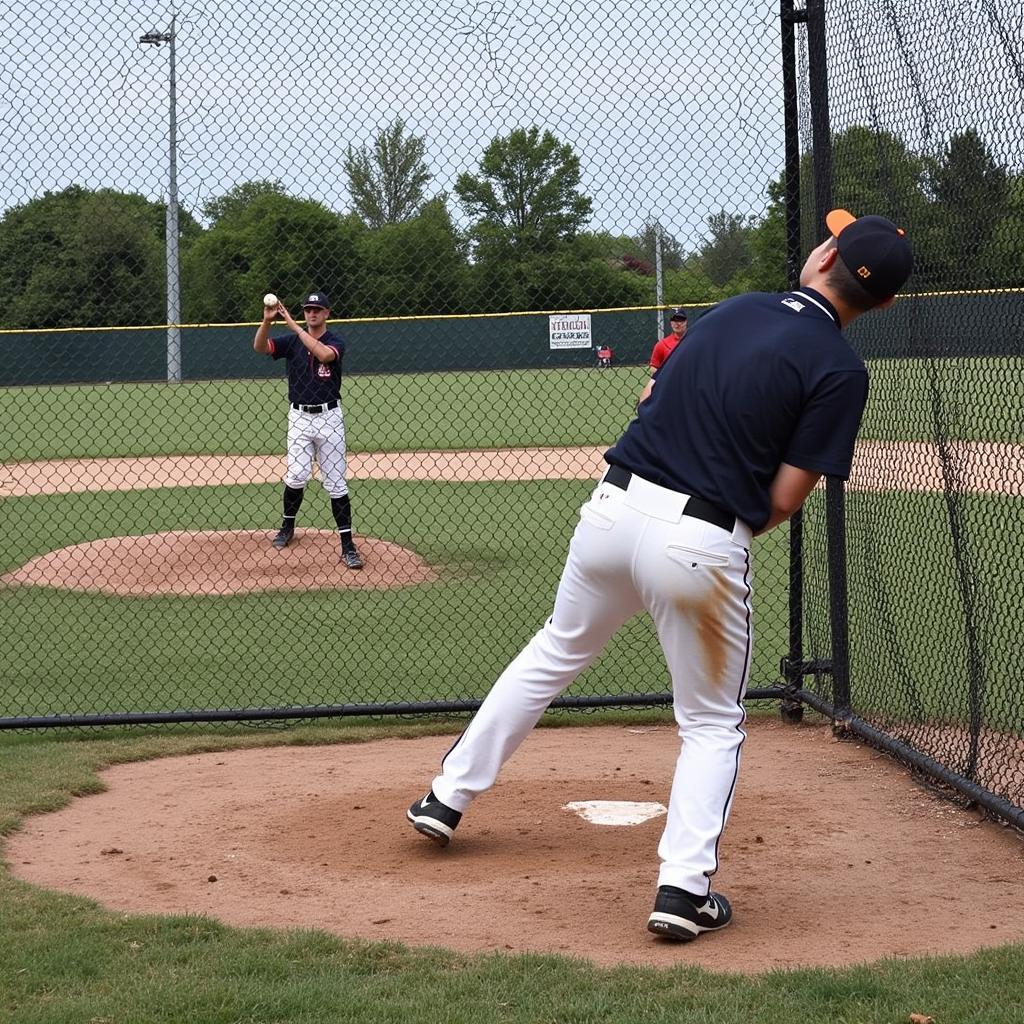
(310, 382)
(763, 379)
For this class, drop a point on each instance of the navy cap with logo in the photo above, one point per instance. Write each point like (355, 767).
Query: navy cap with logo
(316, 299)
(678, 314)
(874, 249)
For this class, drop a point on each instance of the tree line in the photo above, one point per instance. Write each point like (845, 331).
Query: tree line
(83, 257)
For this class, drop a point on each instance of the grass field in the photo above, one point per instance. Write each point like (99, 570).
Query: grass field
(445, 641)
(500, 546)
(983, 398)
(394, 413)
(449, 639)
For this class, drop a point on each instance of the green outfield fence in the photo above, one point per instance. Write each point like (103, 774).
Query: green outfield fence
(975, 325)
(541, 180)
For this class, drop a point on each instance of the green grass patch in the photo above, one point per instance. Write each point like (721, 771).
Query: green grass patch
(976, 399)
(981, 399)
(397, 412)
(63, 958)
(913, 604)
(500, 548)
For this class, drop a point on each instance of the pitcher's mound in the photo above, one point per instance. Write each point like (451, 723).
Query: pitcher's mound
(221, 562)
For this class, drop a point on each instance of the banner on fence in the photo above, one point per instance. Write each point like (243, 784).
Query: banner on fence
(569, 331)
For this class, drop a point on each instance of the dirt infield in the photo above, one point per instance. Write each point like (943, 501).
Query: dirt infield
(220, 562)
(982, 467)
(232, 562)
(833, 855)
(75, 476)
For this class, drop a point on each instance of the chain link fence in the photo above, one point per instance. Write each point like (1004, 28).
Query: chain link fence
(924, 105)
(489, 193)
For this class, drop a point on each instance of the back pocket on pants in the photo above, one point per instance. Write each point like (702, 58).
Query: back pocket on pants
(696, 556)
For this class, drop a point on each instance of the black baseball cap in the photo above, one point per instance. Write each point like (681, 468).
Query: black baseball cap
(678, 314)
(874, 249)
(316, 299)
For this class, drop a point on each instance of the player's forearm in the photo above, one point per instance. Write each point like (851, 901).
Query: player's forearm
(778, 516)
(324, 353)
(261, 342)
(789, 491)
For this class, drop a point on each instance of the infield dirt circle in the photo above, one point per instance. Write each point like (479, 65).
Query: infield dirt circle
(833, 854)
(220, 562)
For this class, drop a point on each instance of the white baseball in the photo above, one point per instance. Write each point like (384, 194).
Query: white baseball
(270, 299)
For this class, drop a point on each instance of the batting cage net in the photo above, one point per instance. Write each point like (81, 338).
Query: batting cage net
(924, 104)
(498, 205)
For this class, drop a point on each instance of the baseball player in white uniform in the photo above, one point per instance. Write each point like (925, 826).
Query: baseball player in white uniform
(730, 437)
(316, 426)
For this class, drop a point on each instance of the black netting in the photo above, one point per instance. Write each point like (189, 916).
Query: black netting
(453, 177)
(925, 106)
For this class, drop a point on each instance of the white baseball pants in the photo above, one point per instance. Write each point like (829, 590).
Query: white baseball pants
(635, 550)
(320, 435)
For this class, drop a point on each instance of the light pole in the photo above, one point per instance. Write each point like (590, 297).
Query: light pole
(171, 231)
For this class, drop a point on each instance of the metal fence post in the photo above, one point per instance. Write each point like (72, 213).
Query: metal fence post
(835, 493)
(791, 709)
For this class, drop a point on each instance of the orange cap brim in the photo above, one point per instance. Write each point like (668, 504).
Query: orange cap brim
(839, 220)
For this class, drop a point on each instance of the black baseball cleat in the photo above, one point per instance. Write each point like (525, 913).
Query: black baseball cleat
(681, 916)
(283, 537)
(434, 819)
(352, 558)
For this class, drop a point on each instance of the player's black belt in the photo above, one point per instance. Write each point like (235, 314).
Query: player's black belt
(698, 508)
(327, 407)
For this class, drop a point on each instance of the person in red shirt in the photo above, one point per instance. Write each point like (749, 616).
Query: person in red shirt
(661, 351)
(604, 357)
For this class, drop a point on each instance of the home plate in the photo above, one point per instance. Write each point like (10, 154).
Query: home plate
(615, 812)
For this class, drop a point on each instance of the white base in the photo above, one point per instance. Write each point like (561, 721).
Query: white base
(615, 812)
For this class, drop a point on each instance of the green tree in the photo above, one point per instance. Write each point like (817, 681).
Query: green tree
(727, 252)
(388, 182)
(525, 197)
(416, 267)
(875, 172)
(690, 284)
(236, 199)
(971, 194)
(620, 251)
(767, 271)
(672, 252)
(578, 274)
(85, 258)
(1006, 251)
(270, 242)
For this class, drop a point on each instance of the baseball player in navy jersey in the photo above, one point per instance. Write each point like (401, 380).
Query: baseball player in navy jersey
(730, 437)
(316, 427)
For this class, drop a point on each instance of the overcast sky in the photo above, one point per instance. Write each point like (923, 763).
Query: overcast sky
(675, 109)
